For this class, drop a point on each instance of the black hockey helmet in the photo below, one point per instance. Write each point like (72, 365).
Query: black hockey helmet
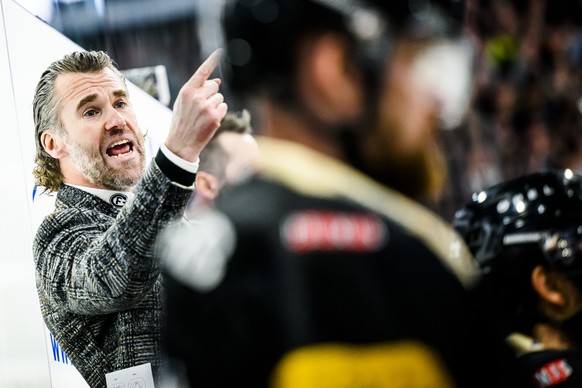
(260, 35)
(543, 209)
(516, 225)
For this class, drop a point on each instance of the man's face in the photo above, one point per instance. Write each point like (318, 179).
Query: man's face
(103, 145)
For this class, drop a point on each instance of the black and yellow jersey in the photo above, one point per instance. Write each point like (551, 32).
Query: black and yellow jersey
(312, 275)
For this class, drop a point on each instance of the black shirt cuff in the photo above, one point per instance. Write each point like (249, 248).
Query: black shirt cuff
(174, 173)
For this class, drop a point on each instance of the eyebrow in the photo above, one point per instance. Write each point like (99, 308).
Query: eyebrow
(120, 93)
(92, 97)
(84, 101)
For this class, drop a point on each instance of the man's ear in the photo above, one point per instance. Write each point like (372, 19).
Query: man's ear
(326, 67)
(53, 144)
(560, 298)
(207, 186)
(548, 286)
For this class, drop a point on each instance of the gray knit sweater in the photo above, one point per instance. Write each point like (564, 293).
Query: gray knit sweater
(98, 275)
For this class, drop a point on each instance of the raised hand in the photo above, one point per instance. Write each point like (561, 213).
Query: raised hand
(197, 111)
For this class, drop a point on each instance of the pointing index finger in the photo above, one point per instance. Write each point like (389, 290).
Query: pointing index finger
(206, 68)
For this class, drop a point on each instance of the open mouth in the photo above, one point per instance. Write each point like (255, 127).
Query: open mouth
(120, 148)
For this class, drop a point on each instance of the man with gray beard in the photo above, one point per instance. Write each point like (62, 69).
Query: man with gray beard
(97, 270)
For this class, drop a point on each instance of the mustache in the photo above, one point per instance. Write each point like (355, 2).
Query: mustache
(118, 131)
(139, 137)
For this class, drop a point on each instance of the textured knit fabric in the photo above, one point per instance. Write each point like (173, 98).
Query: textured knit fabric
(98, 275)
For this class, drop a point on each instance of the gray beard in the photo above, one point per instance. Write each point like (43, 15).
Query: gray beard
(93, 167)
(112, 179)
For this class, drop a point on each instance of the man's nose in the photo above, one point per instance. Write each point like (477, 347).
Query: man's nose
(115, 120)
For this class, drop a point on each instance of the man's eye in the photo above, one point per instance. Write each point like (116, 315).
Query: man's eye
(90, 113)
(121, 104)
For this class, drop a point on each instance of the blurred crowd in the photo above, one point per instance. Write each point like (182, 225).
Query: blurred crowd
(527, 110)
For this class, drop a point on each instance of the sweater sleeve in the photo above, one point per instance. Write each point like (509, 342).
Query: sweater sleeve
(92, 262)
